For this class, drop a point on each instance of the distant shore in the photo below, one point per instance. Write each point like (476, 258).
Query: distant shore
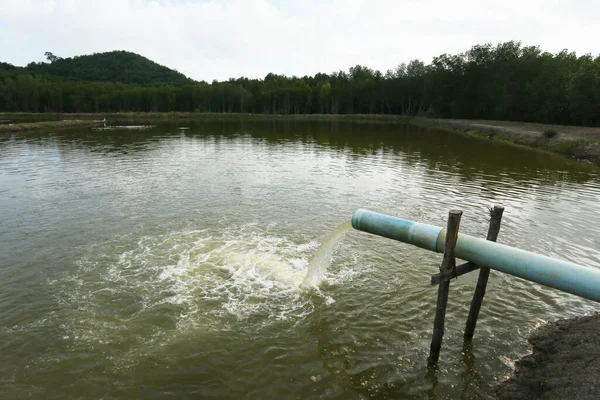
(208, 116)
(582, 143)
(43, 126)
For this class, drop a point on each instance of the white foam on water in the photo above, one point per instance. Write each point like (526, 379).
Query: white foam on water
(204, 279)
(143, 294)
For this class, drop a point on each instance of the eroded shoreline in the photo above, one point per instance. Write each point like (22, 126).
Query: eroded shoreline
(564, 363)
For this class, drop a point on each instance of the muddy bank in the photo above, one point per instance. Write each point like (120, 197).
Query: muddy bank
(27, 127)
(582, 143)
(564, 364)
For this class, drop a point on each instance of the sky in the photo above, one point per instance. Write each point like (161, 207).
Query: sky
(221, 39)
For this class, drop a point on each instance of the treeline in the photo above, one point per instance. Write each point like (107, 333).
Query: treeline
(503, 82)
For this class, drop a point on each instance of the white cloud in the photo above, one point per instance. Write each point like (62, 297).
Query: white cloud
(231, 38)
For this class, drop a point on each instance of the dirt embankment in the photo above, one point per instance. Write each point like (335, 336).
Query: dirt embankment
(564, 364)
(43, 126)
(578, 142)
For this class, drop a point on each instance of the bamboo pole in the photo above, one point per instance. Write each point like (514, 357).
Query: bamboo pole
(458, 271)
(484, 273)
(448, 263)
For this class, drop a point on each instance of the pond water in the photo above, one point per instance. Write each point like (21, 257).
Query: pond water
(166, 263)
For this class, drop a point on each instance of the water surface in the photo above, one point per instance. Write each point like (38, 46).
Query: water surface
(167, 263)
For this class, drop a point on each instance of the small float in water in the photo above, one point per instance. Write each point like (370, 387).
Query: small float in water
(124, 128)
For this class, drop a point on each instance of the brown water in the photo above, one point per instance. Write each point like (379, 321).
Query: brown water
(167, 263)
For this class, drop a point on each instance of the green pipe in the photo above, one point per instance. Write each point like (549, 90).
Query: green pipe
(563, 275)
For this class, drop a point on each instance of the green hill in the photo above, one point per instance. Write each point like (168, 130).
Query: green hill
(114, 66)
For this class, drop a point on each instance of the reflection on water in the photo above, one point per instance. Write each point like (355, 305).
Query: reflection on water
(167, 263)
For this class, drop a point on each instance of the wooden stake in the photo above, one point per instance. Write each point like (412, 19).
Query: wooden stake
(448, 263)
(458, 271)
(484, 273)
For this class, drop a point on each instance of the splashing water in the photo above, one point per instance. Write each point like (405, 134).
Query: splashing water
(186, 283)
(319, 263)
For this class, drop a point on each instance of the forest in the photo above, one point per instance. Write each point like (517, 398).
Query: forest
(503, 82)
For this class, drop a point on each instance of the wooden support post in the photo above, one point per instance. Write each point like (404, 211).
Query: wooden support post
(458, 271)
(484, 273)
(448, 263)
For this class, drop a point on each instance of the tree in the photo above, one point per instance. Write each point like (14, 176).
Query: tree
(50, 57)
